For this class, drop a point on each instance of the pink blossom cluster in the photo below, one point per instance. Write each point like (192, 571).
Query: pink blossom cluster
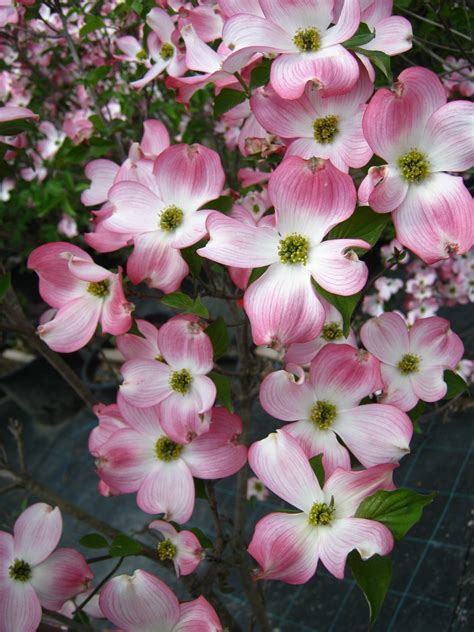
(284, 246)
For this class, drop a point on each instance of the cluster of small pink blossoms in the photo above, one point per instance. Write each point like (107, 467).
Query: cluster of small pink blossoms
(338, 399)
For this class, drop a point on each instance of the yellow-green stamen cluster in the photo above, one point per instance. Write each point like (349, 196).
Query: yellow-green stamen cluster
(413, 166)
(180, 381)
(141, 55)
(20, 570)
(166, 550)
(167, 450)
(324, 129)
(99, 288)
(166, 51)
(323, 414)
(410, 363)
(331, 331)
(171, 218)
(321, 514)
(294, 249)
(307, 40)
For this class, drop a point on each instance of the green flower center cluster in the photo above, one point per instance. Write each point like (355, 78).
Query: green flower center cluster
(331, 331)
(99, 288)
(413, 166)
(321, 514)
(171, 218)
(294, 249)
(307, 40)
(180, 381)
(325, 129)
(410, 363)
(323, 414)
(166, 550)
(167, 450)
(166, 51)
(20, 570)
(141, 55)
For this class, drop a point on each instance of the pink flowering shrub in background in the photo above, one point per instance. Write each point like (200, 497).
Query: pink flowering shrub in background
(273, 217)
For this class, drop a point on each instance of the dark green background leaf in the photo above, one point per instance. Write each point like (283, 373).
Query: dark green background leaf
(373, 576)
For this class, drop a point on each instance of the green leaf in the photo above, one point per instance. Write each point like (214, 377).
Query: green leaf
(398, 510)
(316, 463)
(93, 23)
(344, 304)
(364, 224)
(379, 59)
(217, 332)
(5, 283)
(193, 260)
(414, 415)
(256, 274)
(363, 36)
(373, 576)
(456, 384)
(200, 489)
(179, 300)
(122, 545)
(94, 541)
(260, 75)
(204, 541)
(199, 308)
(97, 74)
(223, 204)
(224, 393)
(12, 128)
(226, 100)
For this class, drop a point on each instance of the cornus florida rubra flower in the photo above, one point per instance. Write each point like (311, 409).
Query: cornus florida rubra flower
(412, 360)
(141, 602)
(138, 167)
(84, 294)
(310, 197)
(180, 547)
(326, 406)
(332, 332)
(144, 347)
(421, 136)
(162, 45)
(33, 572)
(288, 546)
(310, 49)
(163, 217)
(326, 127)
(176, 379)
(143, 459)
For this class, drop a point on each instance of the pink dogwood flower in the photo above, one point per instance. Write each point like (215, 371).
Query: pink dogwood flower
(144, 347)
(180, 547)
(110, 419)
(332, 332)
(163, 48)
(326, 407)
(138, 166)
(177, 379)
(34, 573)
(84, 293)
(421, 137)
(143, 459)
(288, 546)
(163, 216)
(141, 602)
(325, 127)
(393, 34)
(12, 113)
(308, 48)
(310, 198)
(412, 359)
